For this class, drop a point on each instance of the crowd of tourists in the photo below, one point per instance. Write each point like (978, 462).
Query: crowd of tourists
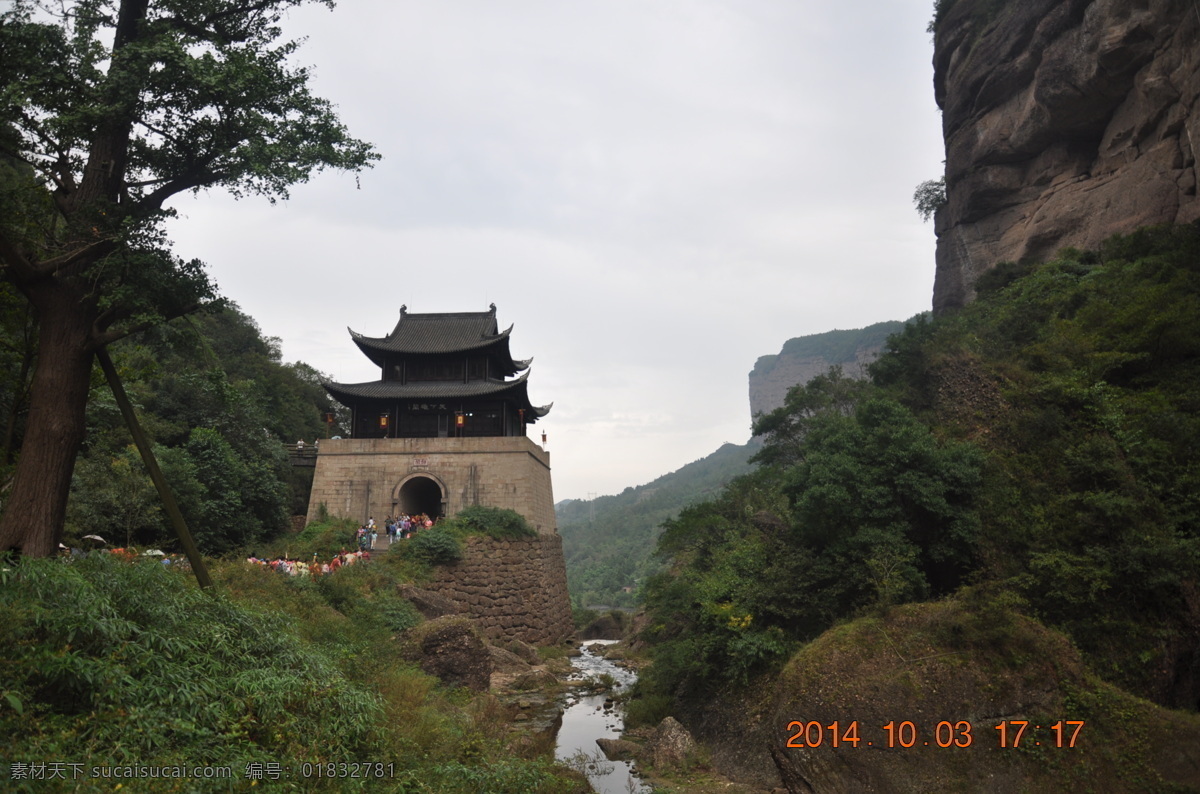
(129, 554)
(402, 527)
(399, 528)
(311, 567)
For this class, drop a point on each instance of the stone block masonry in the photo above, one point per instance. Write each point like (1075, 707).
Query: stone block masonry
(515, 589)
(363, 477)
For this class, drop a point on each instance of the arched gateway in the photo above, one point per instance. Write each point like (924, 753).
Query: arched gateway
(419, 494)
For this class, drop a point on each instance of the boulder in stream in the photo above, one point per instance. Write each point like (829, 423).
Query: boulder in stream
(619, 749)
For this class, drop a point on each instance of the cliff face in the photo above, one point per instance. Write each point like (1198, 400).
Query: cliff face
(803, 358)
(773, 376)
(1065, 121)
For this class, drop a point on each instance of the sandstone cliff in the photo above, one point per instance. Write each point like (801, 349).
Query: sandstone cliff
(803, 358)
(1065, 121)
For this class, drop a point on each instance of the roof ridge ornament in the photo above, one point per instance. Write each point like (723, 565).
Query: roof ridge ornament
(492, 306)
(403, 309)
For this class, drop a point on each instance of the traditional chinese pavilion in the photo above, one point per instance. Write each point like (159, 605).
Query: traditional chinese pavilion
(447, 375)
(443, 429)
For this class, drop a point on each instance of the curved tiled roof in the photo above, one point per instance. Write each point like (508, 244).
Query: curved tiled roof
(423, 334)
(349, 393)
(441, 334)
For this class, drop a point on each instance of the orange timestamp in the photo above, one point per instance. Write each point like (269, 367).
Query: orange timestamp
(946, 733)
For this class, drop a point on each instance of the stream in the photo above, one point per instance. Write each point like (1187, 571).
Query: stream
(586, 719)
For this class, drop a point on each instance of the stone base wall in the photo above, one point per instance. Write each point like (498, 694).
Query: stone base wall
(515, 589)
(363, 477)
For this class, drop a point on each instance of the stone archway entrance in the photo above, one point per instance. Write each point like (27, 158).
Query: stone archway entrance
(419, 494)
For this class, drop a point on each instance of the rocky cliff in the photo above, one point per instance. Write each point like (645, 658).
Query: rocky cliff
(803, 358)
(1065, 121)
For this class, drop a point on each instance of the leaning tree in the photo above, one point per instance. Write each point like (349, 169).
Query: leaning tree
(108, 108)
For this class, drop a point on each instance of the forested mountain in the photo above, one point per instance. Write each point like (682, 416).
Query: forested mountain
(218, 403)
(608, 542)
(1033, 455)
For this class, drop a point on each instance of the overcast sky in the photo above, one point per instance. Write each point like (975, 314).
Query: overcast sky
(654, 192)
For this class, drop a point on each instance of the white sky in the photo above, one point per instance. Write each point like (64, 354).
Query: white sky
(655, 192)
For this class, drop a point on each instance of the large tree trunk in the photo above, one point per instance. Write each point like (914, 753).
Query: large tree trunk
(36, 506)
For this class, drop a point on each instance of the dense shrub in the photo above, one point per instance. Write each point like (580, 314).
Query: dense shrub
(123, 662)
(114, 663)
(436, 546)
(493, 522)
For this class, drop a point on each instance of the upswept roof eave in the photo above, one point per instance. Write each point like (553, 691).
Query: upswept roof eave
(389, 344)
(516, 389)
(388, 390)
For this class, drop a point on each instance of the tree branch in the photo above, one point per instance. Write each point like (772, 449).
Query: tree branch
(69, 264)
(16, 261)
(101, 337)
(152, 202)
(211, 29)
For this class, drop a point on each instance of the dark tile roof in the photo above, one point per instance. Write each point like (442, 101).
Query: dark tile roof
(349, 393)
(442, 390)
(437, 333)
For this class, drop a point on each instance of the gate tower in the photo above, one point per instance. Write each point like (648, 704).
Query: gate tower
(442, 429)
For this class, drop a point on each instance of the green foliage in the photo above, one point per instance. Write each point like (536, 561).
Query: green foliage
(492, 522)
(115, 108)
(647, 709)
(207, 390)
(1072, 497)
(786, 427)
(929, 197)
(1098, 354)
(434, 546)
(500, 777)
(582, 617)
(322, 538)
(242, 498)
(397, 614)
(112, 663)
(859, 506)
(145, 666)
(608, 542)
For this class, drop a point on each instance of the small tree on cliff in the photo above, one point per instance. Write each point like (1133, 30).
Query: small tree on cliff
(116, 106)
(929, 197)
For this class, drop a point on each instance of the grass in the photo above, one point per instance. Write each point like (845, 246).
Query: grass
(115, 663)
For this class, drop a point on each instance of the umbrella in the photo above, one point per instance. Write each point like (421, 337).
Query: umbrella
(95, 537)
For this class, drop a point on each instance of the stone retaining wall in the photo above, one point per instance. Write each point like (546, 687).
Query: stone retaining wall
(513, 588)
(363, 477)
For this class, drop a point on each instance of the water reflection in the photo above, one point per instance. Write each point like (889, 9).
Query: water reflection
(588, 718)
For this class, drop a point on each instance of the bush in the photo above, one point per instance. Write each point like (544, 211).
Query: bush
(397, 614)
(493, 522)
(128, 661)
(436, 546)
(323, 538)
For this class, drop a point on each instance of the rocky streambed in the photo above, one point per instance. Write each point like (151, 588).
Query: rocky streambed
(591, 713)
